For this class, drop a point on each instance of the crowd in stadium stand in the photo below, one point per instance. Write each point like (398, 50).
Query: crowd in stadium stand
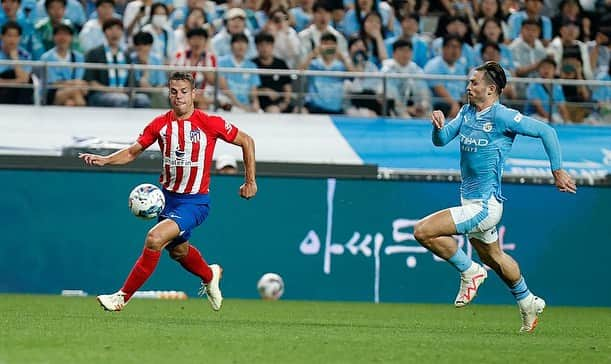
(566, 39)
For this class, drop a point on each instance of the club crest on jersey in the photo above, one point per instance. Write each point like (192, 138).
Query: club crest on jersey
(194, 136)
(487, 127)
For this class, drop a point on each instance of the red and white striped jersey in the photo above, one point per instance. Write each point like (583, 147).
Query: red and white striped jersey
(187, 147)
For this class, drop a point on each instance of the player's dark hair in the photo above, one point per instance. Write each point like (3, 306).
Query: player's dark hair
(182, 76)
(494, 74)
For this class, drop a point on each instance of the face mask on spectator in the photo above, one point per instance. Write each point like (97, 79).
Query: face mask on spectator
(159, 20)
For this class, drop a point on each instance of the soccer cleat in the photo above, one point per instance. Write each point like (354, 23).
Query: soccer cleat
(112, 302)
(212, 290)
(470, 280)
(530, 309)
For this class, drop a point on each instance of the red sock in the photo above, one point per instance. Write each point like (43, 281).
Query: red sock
(195, 263)
(142, 270)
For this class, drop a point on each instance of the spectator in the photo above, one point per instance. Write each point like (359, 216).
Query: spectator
(226, 164)
(572, 10)
(235, 23)
(599, 51)
(275, 90)
(539, 96)
(110, 53)
(409, 32)
(527, 50)
(74, 11)
(181, 14)
(196, 54)
(567, 46)
(491, 32)
(363, 91)
(448, 93)
(164, 45)
(14, 74)
(456, 26)
(371, 34)
(310, 37)
(91, 35)
(302, 15)
(353, 21)
(135, 16)
(64, 83)
(493, 9)
(286, 40)
(143, 54)
(602, 98)
(43, 40)
(575, 95)
(492, 52)
(326, 93)
(264, 13)
(240, 88)
(410, 97)
(13, 12)
(532, 10)
(196, 19)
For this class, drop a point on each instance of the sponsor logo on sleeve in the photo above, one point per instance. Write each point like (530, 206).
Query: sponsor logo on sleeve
(518, 117)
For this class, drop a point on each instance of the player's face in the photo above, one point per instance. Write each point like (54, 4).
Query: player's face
(181, 96)
(478, 89)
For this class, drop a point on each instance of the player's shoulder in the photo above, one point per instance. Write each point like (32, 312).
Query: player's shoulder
(507, 115)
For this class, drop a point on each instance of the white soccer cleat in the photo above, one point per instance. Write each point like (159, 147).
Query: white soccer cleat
(470, 280)
(112, 302)
(530, 309)
(212, 290)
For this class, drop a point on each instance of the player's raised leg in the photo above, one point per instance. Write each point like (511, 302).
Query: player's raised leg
(435, 232)
(508, 270)
(155, 240)
(192, 260)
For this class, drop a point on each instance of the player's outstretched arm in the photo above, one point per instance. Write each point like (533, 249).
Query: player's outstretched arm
(444, 133)
(249, 188)
(564, 182)
(122, 156)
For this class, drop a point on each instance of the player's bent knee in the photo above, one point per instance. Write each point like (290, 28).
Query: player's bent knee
(420, 232)
(154, 241)
(179, 252)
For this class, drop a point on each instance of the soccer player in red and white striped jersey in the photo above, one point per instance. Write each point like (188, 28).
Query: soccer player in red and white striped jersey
(186, 137)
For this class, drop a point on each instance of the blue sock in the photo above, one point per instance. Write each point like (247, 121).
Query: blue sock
(460, 260)
(519, 290)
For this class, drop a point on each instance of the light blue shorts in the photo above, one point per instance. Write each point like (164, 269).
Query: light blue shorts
(478, 218)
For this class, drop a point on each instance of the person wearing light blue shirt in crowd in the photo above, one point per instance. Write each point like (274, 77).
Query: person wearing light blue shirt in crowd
(240, 88)
(164, 45)
(538, 96)
(409, 32)
(91, 35)
(486, 131)
(326, 93)
(180, 14)
(492, 32)
(532, 10)
(353, 18)
(448, 93)
(235, 23)
(456, 26)
(144, 55)
(63, 82)
(12, 10)
(302, 14)
(10, 50)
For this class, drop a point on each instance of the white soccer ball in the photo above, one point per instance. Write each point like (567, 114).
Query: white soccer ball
(270, 286)
(146, 201)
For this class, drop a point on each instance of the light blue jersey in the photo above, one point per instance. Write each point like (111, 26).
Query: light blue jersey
(486, 138)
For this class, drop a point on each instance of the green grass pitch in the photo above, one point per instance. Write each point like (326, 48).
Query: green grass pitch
(55, 329)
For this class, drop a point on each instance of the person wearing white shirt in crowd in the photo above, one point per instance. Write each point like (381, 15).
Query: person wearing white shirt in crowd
(196, 19)
(286, 40)
(567, 45)
(164, 45)
(412, 97)
(91, 35)
(135, 16)
(235, 23)
(310, 37)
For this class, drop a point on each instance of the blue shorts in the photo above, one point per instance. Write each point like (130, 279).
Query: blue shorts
(188, 211)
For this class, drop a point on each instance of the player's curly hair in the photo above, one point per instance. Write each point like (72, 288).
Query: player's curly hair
(182, 76)
(494, 74)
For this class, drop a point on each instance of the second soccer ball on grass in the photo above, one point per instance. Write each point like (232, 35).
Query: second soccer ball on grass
(270, 286)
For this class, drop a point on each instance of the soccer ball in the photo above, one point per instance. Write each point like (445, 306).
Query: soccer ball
(146, 201)
(270, 286)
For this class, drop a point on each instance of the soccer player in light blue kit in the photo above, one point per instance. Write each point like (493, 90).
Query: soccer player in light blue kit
(486, 130)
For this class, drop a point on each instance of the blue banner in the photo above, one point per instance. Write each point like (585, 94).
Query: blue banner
(329, 239)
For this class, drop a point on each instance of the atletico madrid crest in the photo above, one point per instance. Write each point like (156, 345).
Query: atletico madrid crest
(194, 136)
